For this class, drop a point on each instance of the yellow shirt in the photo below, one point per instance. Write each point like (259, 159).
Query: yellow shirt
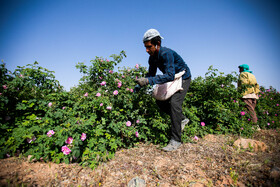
(246, 78)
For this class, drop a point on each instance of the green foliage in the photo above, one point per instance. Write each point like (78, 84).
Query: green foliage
(102, 114)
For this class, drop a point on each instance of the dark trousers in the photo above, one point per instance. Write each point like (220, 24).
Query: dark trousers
(173, 107)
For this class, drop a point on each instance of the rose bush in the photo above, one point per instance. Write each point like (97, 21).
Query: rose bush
(102, 114)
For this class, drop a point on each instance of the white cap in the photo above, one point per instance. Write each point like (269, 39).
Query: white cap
(151, 33)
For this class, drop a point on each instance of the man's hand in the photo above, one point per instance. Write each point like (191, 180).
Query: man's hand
(136, 89)
(142, 81)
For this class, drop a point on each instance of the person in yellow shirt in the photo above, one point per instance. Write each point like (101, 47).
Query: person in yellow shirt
(249, 87)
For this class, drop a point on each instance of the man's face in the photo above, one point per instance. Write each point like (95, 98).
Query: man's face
(150, 48)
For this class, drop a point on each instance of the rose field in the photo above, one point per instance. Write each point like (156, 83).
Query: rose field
(102, 115)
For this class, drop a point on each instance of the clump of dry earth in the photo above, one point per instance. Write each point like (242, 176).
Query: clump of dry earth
(215, 160)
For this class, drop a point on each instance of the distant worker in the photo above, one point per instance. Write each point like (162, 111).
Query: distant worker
(169, 63)
(248, 84)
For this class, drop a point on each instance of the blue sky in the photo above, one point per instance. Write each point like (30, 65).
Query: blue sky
(223, 33)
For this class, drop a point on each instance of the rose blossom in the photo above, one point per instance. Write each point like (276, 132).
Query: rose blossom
(65, 150)
(103, 83)
(98, 94)
(115, 92)
(137, 134)
(50, 104)
(86, 94)
(202, 124)
(128, 123)
(50, 133)
(242, 113)
(69, 140)
(84, 136)
(109, 108)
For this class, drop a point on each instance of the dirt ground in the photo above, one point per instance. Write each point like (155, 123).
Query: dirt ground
(211, 161)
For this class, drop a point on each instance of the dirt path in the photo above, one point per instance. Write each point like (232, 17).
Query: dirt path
(211, 161)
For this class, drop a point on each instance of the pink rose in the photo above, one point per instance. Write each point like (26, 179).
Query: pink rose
(84, 136)
(137, 134)
(65, 150)
(242, 113)
(128, 123)
(50, 133)
(86, 94)
(115, 92)
(69, 140)
(103, 83)
(202, 124)
(98, 94)
(50, 104)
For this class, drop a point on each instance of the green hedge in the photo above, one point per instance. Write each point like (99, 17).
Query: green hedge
(89, 123)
